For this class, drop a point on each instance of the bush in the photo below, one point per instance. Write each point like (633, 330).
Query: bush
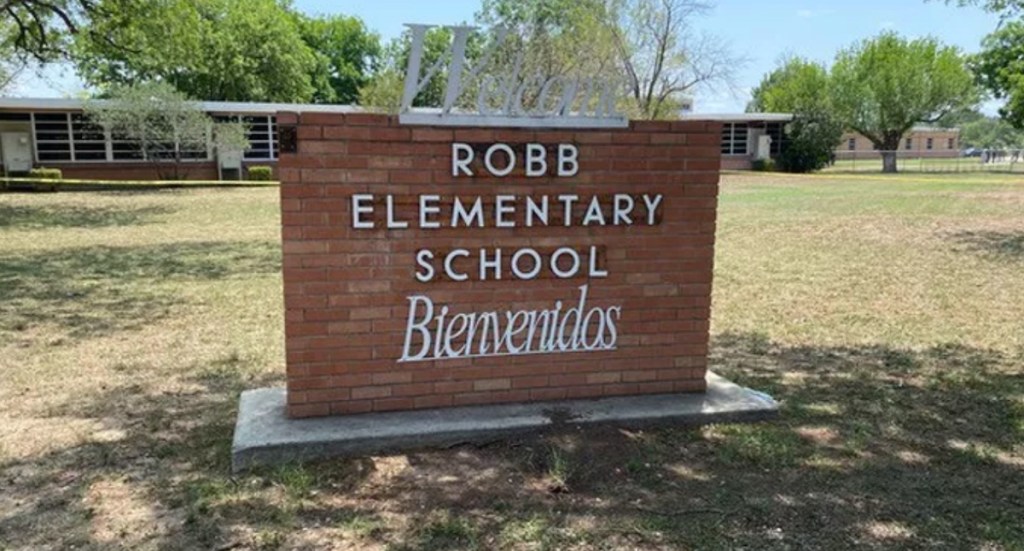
(46, 173)
(763, 165)
(811, 143)
(261, 173)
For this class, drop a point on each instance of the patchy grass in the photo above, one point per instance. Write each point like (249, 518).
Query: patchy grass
(886, 313)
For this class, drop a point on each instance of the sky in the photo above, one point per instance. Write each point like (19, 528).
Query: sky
(760, 32)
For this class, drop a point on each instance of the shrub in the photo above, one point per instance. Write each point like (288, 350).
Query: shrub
(46, 173)
(261, 173)
(811, 144)
(763, 165)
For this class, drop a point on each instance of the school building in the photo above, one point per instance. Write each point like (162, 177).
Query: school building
(54, 133)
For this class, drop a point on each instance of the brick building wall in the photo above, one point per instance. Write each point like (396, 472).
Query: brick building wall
(347, 290)
(944, 143)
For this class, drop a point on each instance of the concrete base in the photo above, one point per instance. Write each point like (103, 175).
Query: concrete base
(265, 436)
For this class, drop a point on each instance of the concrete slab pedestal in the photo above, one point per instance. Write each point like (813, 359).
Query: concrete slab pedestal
(264, 435)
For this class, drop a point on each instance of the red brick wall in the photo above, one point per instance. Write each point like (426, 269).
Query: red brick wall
(346, 289)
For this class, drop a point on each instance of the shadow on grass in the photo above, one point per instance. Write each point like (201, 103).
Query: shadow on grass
(876, 446)
(67, 216)
(97, 290)
(991, 244)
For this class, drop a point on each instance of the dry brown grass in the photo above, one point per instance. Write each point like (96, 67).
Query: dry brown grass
(886, 314)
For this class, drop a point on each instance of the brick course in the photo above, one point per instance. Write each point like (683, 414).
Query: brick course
(346, 289)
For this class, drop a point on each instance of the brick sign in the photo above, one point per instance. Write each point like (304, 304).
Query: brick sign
(430, 267)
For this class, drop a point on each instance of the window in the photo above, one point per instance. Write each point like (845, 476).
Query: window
(909, 143)
(124, 149)
(929, 144)
(734, 139)
(261, 131)
(90, 141)
(777, 132)
(53, 136)
(851, 144)
(950, 143)
(65, 137)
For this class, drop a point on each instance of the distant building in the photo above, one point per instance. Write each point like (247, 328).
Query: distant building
(920, 142)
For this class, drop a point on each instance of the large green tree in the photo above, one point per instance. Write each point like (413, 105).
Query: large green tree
(800, 86)
(999, 67)
(346, 55)
(209, 49)
(384, 90)
(883, 86)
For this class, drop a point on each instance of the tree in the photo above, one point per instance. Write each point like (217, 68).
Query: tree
(999, 68)
(210, 49)
(1006, 8)
(798, 86)
(663, 56)
(883, 86)
(12, 60)
(162, 125)
(346, 54)
(40, 28)
(552, 38)
(990, 133)
(384, 90)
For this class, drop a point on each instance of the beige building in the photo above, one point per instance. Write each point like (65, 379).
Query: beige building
(920, 142)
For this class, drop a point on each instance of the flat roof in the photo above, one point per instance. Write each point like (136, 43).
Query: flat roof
(208, 106)
(740, 117)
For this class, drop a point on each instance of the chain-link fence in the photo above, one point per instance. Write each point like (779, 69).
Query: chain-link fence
(971, 160)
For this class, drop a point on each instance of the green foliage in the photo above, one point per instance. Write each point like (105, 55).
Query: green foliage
(1005, 8)
(810, 144)
(46, 173)
(883, 86)
(41, 29)
(991, 133)
(999, 68)
(384, 91)
(346, 52)
(260, 173)
(569, 38)
(763, 165)
(209, 49)
(639, 39)
(161, 121)
(797, 86)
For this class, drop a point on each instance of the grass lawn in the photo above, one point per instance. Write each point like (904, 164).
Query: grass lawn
(886, 313)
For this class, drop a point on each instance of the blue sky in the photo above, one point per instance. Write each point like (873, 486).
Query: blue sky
(760, 31)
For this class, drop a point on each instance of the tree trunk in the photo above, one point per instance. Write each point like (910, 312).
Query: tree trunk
(889, 162)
